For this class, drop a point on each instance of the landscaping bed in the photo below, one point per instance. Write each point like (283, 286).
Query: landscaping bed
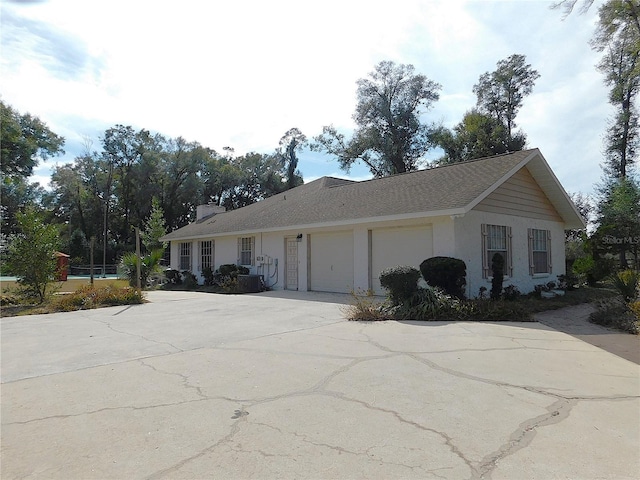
(84, 298)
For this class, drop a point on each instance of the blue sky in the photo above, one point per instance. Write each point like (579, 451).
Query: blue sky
(240, 74)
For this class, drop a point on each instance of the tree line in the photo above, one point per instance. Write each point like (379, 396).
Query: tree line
(614, 213)
(113, 189)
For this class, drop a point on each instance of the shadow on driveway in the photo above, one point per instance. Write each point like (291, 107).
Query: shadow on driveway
(574, 321)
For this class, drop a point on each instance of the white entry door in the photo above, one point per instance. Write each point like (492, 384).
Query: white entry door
(291, 267)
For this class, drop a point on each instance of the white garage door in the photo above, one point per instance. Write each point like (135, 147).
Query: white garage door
(391, 247)
(332, 262)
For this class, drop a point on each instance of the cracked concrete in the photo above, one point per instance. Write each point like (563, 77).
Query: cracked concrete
(277, 385)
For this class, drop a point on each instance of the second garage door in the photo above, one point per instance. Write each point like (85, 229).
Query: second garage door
(332, 262)
(391, 247)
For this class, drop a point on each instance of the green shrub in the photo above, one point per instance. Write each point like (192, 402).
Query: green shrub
(616, 314)
(511, 293)
(208, 275)
(232, 270)
(31, 253)
(229, 285)
(583, 265)
(567, 281)
(497, 269)
(449, 274)
(173, 277)
(189, 280)
(592, 271)
(626, 283)
(490, 310)
(93, 297)
(431, 304)
(149, 264)
(7, 299)
(401, 282)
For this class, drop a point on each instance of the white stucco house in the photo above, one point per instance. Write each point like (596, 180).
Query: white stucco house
(336, 235)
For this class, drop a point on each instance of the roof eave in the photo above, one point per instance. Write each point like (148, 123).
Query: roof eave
(550, 185)
(323, 225)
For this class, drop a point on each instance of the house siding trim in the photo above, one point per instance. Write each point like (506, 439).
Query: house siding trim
(520, 196)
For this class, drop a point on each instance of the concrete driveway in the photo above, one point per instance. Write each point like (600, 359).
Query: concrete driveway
(278, 385)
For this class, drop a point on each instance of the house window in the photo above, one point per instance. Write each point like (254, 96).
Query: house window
(206, 254)
(539, 251)
(245, 250)
(185, 256)
(496, 239)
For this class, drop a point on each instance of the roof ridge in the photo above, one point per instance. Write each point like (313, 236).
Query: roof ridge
(332, 182)
(453, 164)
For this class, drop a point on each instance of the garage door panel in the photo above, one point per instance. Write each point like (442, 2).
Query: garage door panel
(391, 247)
(332, 262)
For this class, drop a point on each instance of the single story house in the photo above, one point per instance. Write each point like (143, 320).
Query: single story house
(336, 235)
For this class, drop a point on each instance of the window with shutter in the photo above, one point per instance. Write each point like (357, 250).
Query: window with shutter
(496, 239)
(539, 251)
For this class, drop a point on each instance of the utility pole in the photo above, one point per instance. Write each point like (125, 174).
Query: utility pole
(138, 273)
(92, 244)
(106, 211)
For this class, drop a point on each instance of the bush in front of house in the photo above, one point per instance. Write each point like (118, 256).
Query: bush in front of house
(232, 270)
(431, 303)
(209, 276)
(226, 277)
(497, 270)
(189, 280)
(173, 277)
(401, 282)
(511, 293)
(447, 273)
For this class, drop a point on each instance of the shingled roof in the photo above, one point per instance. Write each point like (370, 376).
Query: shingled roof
(447, 190)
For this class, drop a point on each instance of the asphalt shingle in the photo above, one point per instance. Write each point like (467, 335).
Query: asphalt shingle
(331, 199)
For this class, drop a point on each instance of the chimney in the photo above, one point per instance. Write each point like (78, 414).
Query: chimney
(204, 211)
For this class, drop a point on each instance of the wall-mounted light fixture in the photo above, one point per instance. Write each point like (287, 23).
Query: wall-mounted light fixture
(299, 237)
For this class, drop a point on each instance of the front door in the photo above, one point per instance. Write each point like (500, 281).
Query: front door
(291, 267)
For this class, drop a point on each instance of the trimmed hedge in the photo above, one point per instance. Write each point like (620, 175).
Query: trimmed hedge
(400, 281)
(447, 273)
(497, 269)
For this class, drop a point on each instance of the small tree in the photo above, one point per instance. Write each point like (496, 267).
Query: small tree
(154, 228)
(149, 264)
(32, 253)
(497, 269)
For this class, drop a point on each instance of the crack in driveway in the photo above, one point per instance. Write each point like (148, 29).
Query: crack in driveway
(239, 419)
